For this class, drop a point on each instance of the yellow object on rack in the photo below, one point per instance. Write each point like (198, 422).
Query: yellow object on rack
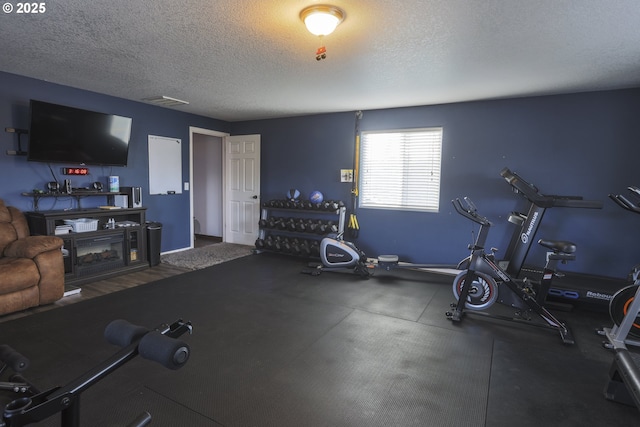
(353, 226)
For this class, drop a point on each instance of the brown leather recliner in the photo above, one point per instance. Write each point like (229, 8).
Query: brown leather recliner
(31, 267)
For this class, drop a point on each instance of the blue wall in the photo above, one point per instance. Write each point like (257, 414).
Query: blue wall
(581, 144)
(18, 175)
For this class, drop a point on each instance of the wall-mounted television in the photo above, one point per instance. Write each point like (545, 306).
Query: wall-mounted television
(62, 134)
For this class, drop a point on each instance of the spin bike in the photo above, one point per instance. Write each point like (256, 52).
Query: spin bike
(624, 376)
(484, 283)
(625, 304)
(30, 405)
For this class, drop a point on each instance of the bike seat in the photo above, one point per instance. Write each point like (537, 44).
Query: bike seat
(557, 246)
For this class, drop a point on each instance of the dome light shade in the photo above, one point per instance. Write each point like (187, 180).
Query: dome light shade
(321, 20)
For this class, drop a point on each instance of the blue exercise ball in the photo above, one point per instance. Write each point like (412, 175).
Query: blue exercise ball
(316, 197)
(293, 194)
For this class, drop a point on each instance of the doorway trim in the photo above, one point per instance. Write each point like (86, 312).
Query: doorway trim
(192, 131)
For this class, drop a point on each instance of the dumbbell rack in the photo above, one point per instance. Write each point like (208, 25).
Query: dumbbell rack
(285, 234)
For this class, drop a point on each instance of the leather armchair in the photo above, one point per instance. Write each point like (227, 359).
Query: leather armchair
(31, 267)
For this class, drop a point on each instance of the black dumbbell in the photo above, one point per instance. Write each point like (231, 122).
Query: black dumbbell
(314, 248)
(301, 225)
(312, 226)
(291, 224)
(277, 244)
(332, 205)
(287, 245)
(305, 249)
(270, 242)
(295, 246)
(322, 227)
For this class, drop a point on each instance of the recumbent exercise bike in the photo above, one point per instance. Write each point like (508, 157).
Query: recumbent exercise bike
(29, 405)
(483, 282)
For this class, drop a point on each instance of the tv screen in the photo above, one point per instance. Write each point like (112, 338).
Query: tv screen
(62, 134)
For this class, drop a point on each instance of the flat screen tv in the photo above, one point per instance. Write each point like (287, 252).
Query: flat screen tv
(62, 134)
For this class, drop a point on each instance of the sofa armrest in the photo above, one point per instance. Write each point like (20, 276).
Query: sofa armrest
(32, 246)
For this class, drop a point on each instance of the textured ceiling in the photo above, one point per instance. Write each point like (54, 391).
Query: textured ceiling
(252, 59)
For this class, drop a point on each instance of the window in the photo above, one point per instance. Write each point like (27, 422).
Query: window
(401, 169)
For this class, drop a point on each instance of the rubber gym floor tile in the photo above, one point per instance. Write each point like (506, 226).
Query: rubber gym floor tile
(273, 347)
(533, 386)
(367, 370)
(378, 371)
(404, 295)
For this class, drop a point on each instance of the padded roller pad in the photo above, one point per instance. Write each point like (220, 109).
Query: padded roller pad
(122, 333)
(15, 360)
(167, 351)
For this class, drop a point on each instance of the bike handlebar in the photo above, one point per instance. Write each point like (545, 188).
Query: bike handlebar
(470, 211)
(532, 194)
(624, 202)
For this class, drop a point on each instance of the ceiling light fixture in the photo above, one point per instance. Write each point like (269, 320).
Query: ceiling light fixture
(322, 19)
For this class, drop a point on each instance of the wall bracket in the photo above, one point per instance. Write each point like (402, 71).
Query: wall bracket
(19, 132)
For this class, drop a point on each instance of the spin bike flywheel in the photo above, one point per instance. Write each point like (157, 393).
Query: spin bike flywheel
(482, 294)
(620, 304)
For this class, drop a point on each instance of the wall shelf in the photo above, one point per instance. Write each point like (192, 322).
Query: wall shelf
(79, 194)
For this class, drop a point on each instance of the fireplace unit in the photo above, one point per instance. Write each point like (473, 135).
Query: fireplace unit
(98, 254)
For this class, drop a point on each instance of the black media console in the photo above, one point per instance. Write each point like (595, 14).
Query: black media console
(98, 243)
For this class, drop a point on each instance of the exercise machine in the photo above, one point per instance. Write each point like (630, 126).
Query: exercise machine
(484, 282)
(339, 254)
(528, 224)
(29, 405)
(624, 375)
(622, 305)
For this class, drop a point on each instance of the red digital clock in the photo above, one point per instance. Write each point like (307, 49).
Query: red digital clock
(75, 171)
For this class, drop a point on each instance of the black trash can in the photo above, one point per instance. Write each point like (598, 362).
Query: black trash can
(154, 241)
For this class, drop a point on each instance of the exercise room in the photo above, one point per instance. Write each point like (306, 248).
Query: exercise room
(298, 213)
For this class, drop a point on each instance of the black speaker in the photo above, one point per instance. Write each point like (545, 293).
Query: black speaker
(97, 186)
(134, 196)
(53, 187)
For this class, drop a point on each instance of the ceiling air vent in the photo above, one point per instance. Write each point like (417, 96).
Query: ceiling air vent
(165, 101)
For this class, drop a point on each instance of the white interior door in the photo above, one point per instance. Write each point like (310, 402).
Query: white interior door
(242, 188)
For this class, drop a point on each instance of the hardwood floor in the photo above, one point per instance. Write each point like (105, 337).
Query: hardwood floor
(103, 287)
(114, 284)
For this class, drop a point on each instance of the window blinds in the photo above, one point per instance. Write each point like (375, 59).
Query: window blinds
(401, 169)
